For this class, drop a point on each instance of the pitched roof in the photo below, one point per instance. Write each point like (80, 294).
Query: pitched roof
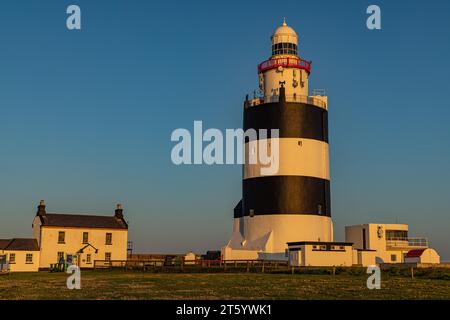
(19, 244)
(414, 253)
(4, 243)
(82, 221)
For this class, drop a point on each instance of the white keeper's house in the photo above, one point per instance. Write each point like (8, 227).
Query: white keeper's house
(75, 238)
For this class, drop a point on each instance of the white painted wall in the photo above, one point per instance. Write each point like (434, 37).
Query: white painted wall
(296, 157)
(271, 233)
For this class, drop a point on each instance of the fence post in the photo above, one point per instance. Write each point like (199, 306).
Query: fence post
(334, 270)
(292, 269)
(248, 266)
(262, 269)
(412, 272)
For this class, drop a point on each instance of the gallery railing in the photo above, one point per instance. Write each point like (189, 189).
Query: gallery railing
(289, 98)
(407, 242)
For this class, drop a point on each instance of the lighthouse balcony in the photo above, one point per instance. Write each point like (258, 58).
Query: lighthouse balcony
(318, 101)
(286, 62)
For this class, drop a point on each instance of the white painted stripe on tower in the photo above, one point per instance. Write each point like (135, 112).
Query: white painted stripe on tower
(297, 157)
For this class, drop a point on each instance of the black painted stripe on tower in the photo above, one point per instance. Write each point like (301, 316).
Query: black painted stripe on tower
(294, 120)
(285, 195)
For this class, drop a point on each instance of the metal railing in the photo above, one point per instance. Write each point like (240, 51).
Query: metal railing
(407, 242)
(290, 98)
(318, 92)
(286, 63)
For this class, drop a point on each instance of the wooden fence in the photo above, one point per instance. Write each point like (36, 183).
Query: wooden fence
(193, 265)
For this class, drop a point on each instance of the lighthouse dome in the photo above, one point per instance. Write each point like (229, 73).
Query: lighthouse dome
(284, 40)
(284, 34)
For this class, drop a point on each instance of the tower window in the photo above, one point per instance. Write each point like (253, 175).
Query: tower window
(284, 48)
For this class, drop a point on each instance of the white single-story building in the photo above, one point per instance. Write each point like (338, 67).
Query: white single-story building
(316, 253)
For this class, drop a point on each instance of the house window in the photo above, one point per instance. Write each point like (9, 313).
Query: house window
(61, 237)
(108, 238)
(29, 258)
(108, 256)
(60, 256)
(85, 237)
(12, 258)
(88, 258)
(393, 257)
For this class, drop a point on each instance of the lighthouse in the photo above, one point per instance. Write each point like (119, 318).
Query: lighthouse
(292, 204)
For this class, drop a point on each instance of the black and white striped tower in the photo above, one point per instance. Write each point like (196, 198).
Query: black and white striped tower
(292, 204)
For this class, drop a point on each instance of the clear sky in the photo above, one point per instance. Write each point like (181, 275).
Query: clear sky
(86, 116)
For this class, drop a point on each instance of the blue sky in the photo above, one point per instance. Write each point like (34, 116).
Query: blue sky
(87, 115)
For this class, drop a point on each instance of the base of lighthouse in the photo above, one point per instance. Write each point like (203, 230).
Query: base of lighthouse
(266, 237)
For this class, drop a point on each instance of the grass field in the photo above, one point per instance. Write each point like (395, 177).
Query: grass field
(120, 284)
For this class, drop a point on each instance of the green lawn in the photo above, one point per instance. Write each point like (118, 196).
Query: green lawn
(146, 285)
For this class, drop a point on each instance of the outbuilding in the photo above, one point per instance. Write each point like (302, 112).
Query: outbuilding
(427, 255)
(19, 255)
(316, 253)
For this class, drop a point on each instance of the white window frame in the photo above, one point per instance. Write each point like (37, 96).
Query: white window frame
(27, 255)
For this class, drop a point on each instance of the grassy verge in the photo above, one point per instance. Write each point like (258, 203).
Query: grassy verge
(118, 284)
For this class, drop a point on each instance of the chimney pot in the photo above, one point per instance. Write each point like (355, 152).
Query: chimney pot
(41, 208)
(119, 211)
